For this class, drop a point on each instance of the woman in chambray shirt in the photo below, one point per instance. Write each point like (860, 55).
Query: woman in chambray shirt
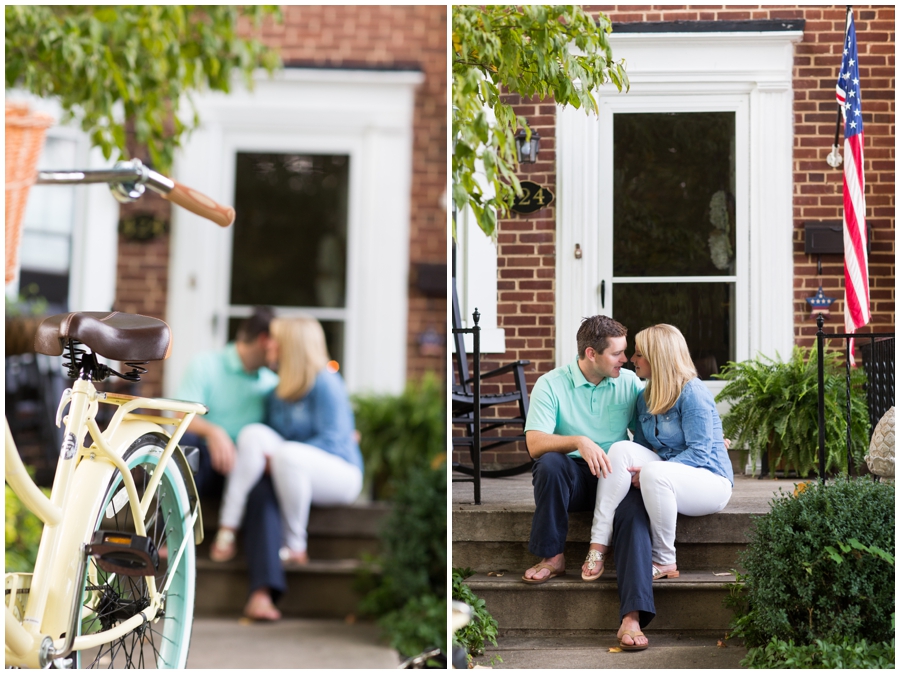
(308, 446)
(678, 458)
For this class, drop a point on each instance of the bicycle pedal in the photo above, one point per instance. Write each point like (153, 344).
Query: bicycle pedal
(125, 554)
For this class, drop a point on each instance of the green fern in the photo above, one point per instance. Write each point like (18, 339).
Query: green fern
(774, 408)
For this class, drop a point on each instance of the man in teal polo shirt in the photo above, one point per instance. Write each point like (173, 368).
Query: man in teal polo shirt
(233, 383)
(576, 412)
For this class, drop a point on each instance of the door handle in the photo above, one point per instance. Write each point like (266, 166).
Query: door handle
(602, 294)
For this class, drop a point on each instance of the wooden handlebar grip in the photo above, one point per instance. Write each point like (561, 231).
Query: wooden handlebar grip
(202, 205)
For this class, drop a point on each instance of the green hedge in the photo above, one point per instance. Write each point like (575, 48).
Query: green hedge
(404, 443)
(820, 567)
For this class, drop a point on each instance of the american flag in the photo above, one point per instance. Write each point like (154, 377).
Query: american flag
(856, 264)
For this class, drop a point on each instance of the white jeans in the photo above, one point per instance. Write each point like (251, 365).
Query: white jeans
(668, 488)
(302, 475)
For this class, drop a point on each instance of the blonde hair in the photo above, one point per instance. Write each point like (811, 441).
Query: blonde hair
(670, 362)
(302, 354)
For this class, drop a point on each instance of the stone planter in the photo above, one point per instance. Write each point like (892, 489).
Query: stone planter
(739, 460)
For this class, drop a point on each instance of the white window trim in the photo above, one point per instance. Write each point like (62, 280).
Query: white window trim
(677, 71)
(365, 114)
(476, 283)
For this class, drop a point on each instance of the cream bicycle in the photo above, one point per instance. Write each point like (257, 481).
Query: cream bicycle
(113, 583)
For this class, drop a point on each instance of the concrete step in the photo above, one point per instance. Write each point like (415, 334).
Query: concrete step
(339, 537)
(592, 652)
(494, 536)
(320, 589)
(341, 532)
(492, 539)
(692, 603)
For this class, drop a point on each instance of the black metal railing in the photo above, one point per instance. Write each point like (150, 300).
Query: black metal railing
(877, 349)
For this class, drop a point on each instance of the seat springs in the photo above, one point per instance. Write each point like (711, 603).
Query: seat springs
(75, 353)
(82, 362)
(137, 370)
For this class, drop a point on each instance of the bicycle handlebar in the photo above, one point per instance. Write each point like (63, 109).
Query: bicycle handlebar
(127, 181)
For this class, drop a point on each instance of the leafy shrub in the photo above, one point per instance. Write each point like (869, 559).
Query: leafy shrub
(804, 583)
(400, 432)
(411, 594)
(23, 534)
(846, 654)
(774, 408)
(482, 628)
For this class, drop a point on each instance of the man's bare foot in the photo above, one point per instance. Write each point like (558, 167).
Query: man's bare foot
(630, 626)
(588, 571)
(540, 571)
(260, 606)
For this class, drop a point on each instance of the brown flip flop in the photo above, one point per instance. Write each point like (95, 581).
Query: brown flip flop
(632, 646)
(543, 565)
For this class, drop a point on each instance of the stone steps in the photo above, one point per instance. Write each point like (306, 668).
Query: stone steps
(592, 652)
(692, 603)
(568, 623)
(324, 588)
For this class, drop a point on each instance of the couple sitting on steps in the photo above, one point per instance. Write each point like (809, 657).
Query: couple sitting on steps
(576, 431)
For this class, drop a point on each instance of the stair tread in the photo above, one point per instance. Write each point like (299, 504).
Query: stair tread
(313, 567)
(666, 651)
(573, 581)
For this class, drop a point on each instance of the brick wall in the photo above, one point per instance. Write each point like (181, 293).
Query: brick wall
(527, 251)
(346, 36)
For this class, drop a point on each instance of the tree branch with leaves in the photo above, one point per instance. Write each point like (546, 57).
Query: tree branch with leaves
(113, 65)
(535, 51)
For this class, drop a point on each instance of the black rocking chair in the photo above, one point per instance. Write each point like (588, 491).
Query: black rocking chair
(464, 411)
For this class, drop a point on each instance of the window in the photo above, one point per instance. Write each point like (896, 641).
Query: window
(290, 237)
(673, 233)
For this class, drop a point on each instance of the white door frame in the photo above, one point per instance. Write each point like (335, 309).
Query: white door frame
(752, 73)
(367, 115)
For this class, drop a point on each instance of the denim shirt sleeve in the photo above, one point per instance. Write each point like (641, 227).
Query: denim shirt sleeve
(332, 414)
(697, 426)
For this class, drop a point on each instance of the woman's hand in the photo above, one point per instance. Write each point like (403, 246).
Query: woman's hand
(635, 476)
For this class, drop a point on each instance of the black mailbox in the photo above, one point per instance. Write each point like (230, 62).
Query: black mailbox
(826, 237)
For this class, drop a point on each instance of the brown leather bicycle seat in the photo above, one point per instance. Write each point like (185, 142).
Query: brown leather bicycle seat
(113, 335)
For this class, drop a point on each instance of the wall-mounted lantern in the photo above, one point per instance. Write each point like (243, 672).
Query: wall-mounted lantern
(527, 149)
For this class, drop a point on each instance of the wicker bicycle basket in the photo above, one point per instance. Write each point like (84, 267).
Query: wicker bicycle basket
(25, 131)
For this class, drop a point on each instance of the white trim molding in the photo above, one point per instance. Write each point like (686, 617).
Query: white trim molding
(749, 73)
(367, 115)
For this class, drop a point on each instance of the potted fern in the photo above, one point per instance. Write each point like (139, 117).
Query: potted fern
(774, 411)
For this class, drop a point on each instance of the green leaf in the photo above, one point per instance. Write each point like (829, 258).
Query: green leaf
(521, 51)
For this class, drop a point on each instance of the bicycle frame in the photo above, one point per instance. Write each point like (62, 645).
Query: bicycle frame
(52, 607)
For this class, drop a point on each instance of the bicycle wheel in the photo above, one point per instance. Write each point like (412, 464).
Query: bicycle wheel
(109, 598)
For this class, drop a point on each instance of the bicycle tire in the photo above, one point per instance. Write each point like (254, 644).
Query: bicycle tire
(108, 599)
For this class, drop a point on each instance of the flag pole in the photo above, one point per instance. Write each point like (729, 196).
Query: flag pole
(834, 159)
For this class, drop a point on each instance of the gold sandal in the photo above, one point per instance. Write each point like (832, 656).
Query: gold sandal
(659, 574)
(224, 548)
(591, 560)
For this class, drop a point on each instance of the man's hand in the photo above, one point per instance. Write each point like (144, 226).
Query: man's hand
(635, 476)
(596, 458)
(222, 452)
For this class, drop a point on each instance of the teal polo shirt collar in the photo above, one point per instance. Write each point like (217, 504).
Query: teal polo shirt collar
(578, 378)
(232, 360)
